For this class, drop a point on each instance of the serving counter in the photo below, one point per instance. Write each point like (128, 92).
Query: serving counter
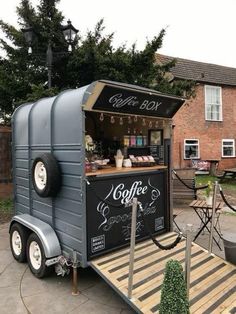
(123, 170)
(108, 217)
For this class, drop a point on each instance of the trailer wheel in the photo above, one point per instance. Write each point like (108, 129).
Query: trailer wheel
(36, 257)
(18, 240)
(46, 175)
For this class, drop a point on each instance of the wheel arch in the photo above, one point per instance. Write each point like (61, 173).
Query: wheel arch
(43, 230)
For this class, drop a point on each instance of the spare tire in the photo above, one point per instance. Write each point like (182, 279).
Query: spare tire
(46, 175)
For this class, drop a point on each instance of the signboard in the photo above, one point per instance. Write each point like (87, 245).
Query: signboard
(109, 221)
(120, 100)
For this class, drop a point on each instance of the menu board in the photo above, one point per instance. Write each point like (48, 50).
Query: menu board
(109, 220)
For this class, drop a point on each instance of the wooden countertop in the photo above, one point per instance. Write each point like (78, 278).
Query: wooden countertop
(114, 170)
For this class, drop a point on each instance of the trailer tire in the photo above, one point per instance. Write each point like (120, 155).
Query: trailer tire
(18, 240)
(46, 175)
(36, 257)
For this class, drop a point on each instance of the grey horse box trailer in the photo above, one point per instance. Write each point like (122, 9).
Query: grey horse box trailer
(63, 214)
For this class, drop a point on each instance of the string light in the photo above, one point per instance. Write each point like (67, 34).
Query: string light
(145, 122)
(112, 120)
(101, 117)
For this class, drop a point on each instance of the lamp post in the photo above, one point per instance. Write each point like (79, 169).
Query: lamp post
(69, 32)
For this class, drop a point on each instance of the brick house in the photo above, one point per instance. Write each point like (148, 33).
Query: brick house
(205, 127)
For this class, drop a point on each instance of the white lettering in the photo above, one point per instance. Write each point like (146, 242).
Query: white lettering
(150, 105)
(118, 101)
(127, 195)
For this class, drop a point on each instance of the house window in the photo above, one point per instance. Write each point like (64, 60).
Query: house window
(213, 103)
(191, 149)
(228, 148)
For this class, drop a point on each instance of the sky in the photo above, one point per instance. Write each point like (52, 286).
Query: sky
(200, 30)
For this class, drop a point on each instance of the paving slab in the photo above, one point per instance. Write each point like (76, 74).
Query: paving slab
(21, 292)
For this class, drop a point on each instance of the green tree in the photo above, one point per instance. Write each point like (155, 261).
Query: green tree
(23, 77)
(174, 298)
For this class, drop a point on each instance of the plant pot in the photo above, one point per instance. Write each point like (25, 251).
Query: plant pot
(209, 200)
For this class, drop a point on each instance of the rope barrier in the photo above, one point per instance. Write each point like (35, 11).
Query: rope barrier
(157, 243)
(224, 199)
(187, 186)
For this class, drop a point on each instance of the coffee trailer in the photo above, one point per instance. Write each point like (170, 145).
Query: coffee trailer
(65, 214)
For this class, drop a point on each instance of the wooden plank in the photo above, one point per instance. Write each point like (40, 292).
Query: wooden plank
(212, 280)
(219, 303)
(231, 308)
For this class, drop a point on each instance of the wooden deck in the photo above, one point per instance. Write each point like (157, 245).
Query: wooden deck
(212, 279)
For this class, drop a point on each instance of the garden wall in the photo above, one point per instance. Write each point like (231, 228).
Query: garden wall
(5, 162)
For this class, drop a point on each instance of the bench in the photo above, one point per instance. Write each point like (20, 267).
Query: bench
(181, 192)
(228, 174)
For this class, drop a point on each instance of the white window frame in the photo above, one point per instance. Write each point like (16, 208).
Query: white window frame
(192, 139)
(220, 104)
(222, 147)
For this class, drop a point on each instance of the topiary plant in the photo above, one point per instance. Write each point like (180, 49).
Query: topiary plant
(174, 298)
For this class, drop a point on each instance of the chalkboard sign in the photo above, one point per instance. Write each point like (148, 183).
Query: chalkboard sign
(120, 100)
(109, 221)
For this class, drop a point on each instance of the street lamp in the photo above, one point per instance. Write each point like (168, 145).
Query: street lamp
(69, 32)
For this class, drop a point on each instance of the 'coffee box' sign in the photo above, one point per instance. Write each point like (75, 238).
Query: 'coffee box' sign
(119, 100)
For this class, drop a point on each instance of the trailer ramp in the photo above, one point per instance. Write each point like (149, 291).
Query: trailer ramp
(212, 279)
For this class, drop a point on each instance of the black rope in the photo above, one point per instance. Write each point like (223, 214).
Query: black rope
(187, 186)
(224, 199)
(157, 243)
(102, 200)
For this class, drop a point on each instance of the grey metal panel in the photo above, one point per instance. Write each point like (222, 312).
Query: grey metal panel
(19, 208)
(42, 129)
(71, 168)
(40, 122)
(22, 199)
(22, 190)
(21, 163)
(69, 217)
(68, 155)
(44, 231)
(68, 204)
(20, 124)
(21, 154)
(71, 181)
(20, 172)
(22, 181)
(43, 217)
(67, 117)
(70, 193)
(68, 228)
(42, 207)
(36, 197)
(69, 241)
(36, 152)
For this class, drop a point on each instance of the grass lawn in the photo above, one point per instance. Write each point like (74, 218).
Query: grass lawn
(230, 186)
(6, 210)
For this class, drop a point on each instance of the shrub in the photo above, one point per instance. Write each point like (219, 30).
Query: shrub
(174, 298)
